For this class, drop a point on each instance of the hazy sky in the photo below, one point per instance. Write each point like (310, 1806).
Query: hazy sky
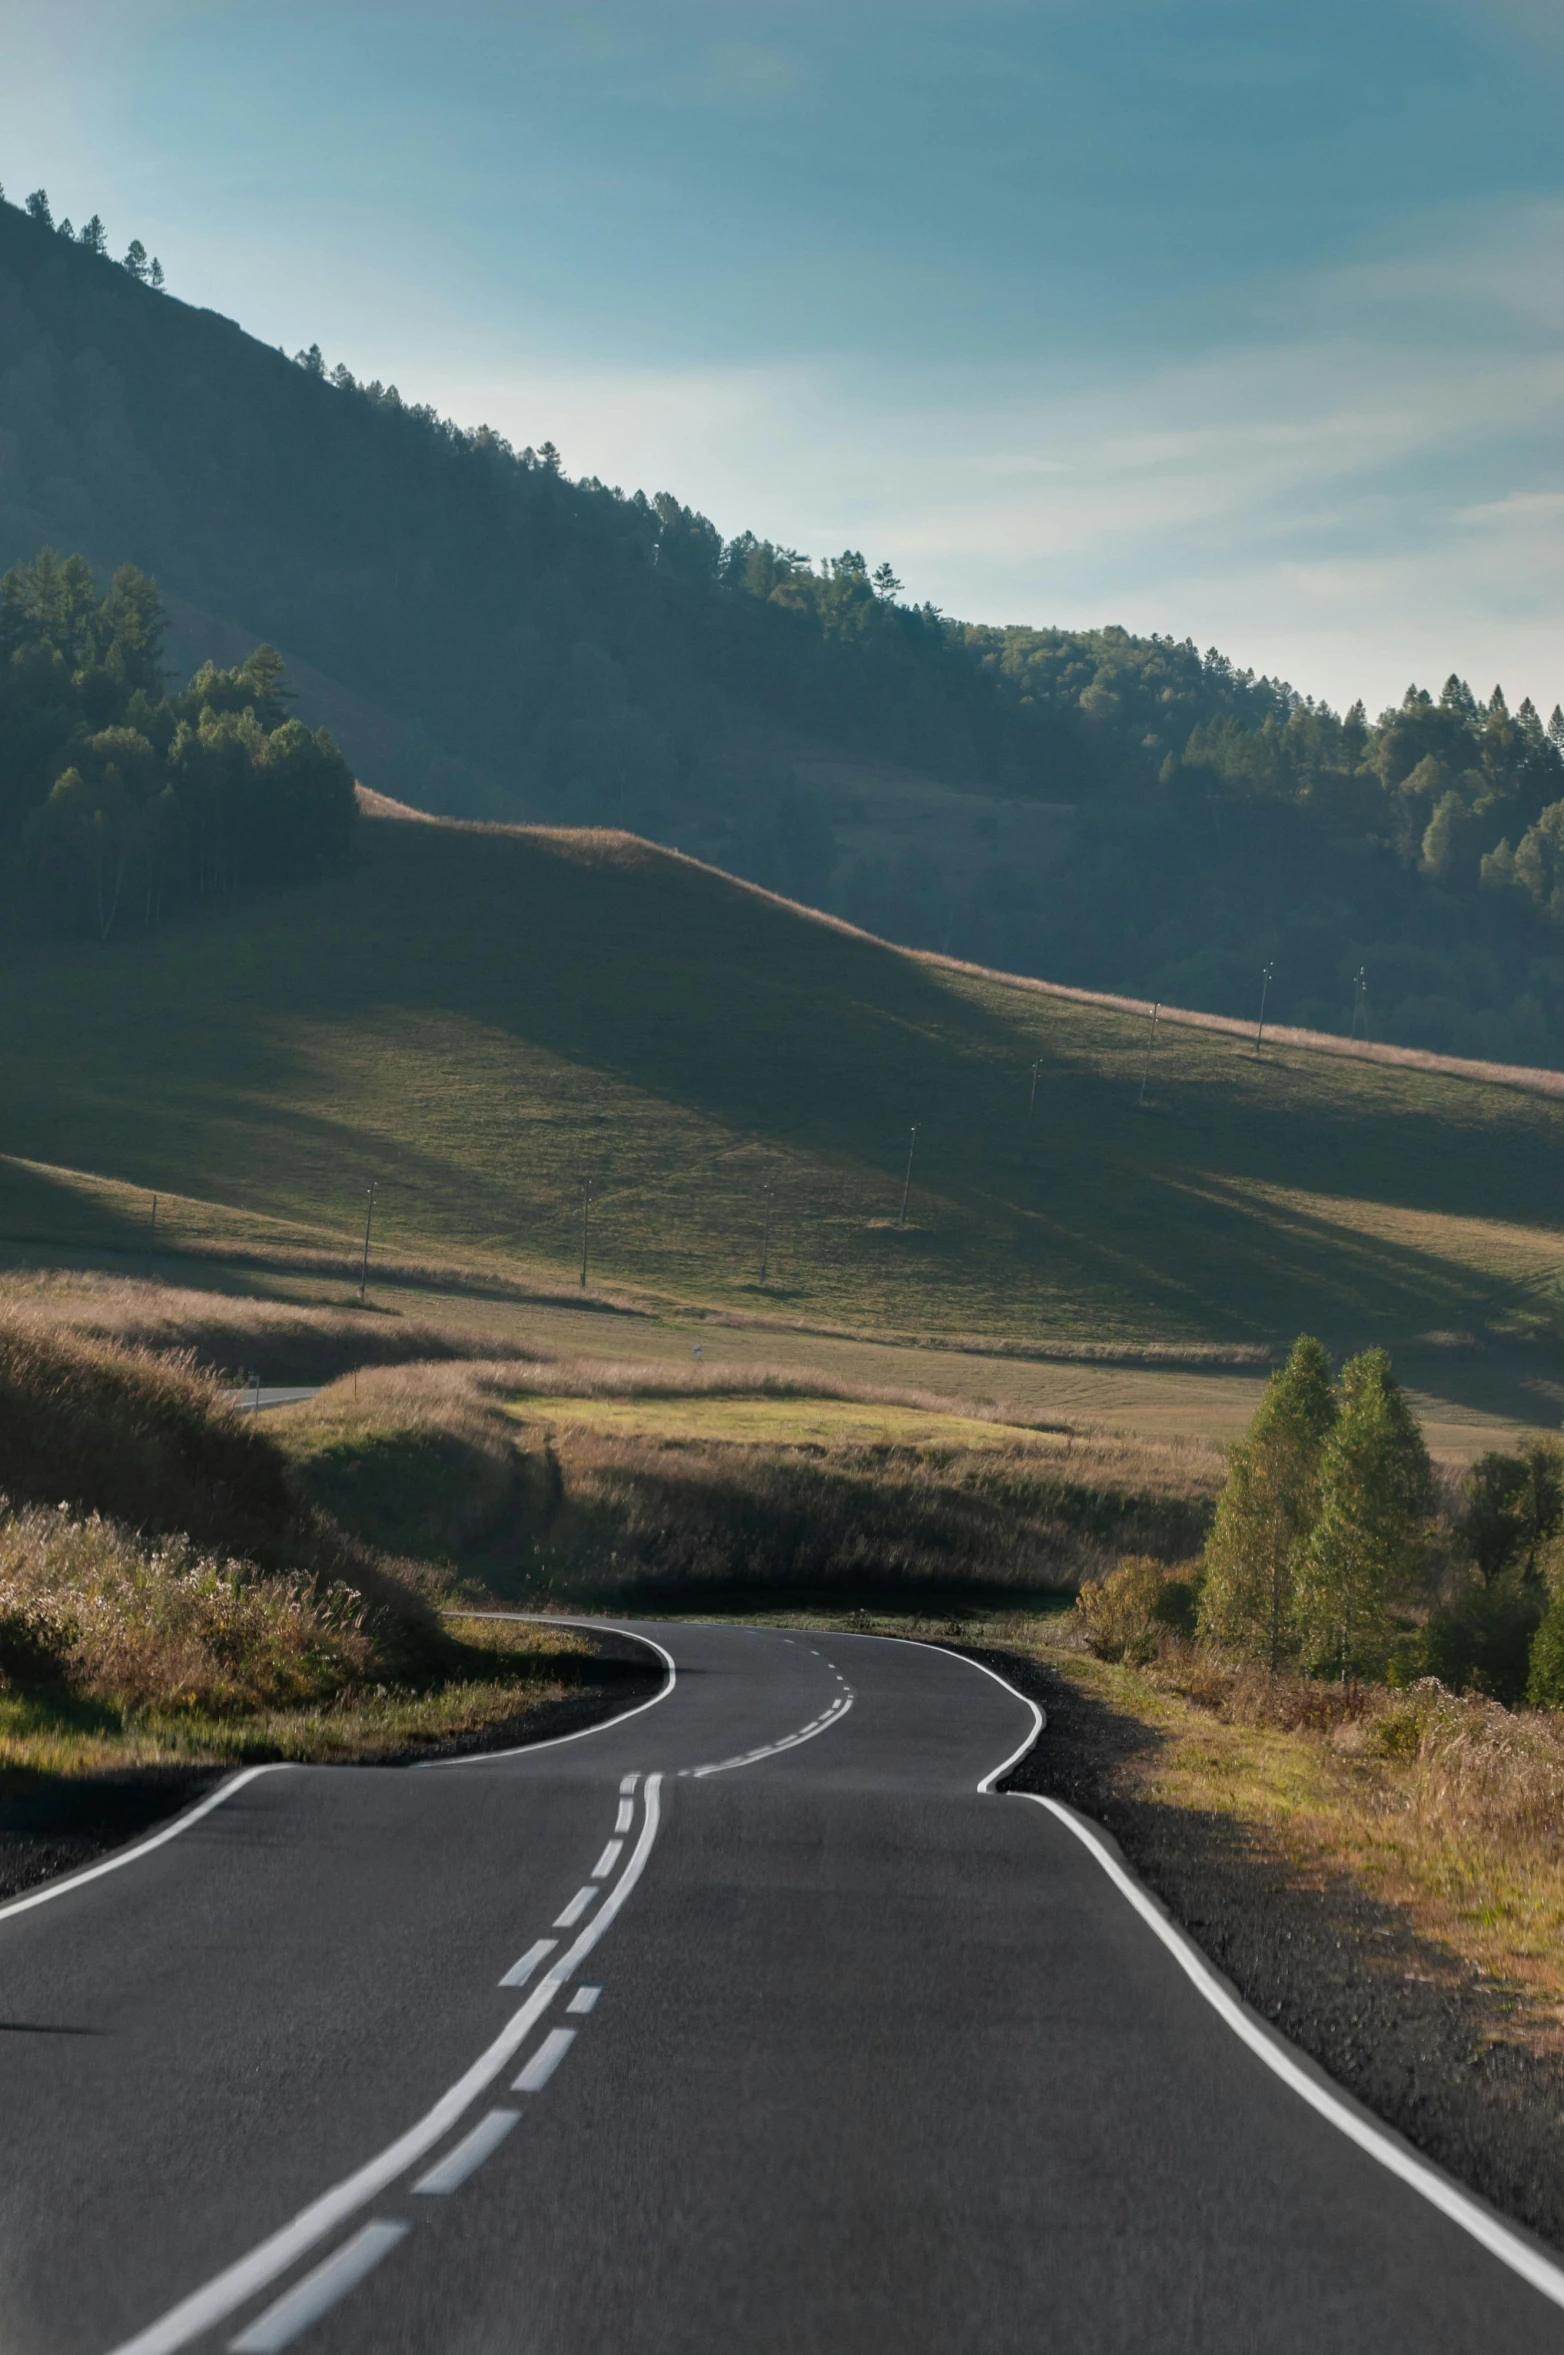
(1239, 319)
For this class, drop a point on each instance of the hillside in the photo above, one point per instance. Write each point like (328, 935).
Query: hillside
(489, 637)
(480, 1019)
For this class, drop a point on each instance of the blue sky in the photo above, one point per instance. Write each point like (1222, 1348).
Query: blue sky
(1238, 319)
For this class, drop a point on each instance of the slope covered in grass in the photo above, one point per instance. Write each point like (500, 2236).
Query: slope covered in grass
(483, 1019)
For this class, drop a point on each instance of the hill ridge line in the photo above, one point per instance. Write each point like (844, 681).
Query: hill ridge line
(1529, 1079)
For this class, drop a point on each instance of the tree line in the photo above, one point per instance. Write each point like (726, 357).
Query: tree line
(1338, 1552)
(1329, 1553)
(93, 238)
(122, 802)
(533, 644)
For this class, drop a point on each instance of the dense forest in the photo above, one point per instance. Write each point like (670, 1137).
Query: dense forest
(122, 803)
(489, 636)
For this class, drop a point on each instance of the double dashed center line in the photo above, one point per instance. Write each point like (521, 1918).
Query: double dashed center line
(317, 2291)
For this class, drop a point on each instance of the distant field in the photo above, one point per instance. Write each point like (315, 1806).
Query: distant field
(482, 1020)
(774, 1422)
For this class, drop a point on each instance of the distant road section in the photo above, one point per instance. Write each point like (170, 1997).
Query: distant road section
(749, 2022)
(252, 1401)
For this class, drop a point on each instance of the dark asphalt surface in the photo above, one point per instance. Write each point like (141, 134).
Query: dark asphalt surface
(879, 2064)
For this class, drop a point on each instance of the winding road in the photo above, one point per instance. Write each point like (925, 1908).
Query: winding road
(749, 2024)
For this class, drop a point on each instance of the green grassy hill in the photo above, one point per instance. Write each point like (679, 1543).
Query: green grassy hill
(482, 1018)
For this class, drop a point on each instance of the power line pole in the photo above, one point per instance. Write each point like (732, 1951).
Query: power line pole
(912, 1147)
(765, 1240)
(1359, 1000)
(1036, 1068)
(369, 1216)
(1151, 1040)
(1265, 984)
(586, 1226)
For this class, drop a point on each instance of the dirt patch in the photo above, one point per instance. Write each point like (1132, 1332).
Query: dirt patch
(1420, 2036)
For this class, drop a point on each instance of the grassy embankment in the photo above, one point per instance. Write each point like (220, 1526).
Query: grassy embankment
(170, 1592)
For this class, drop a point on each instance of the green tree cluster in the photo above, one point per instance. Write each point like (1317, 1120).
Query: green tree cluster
(119, 799)
(1321, 1525)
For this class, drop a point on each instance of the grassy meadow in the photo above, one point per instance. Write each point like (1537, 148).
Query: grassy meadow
(481, 1021)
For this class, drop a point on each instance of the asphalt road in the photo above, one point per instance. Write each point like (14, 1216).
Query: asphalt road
(877, 2062)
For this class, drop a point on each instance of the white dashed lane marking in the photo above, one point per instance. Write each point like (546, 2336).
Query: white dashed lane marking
(583, 1999)
(806, 1733)
(576, 1908)
(607, 1861)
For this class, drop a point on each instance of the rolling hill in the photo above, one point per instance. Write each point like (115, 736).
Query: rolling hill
(481, 1019)
(490, 637)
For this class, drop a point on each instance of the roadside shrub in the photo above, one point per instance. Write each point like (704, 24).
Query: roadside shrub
(1482, 1642)
(1124, 1615)
(1545, 1669)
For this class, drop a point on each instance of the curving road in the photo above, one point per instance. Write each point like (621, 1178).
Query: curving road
(747, 2025)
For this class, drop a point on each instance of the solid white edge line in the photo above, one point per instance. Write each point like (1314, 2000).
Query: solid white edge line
(522, 1969)
(1512, 2248)
(467, 2156)
(170, 1831)
(226, 2291)
(1501, 2240)
(529, 1749)
(545, 2061)
(319, 2291)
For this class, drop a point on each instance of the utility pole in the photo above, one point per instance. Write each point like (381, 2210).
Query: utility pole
(912, 1147)
(765, 1240)
(369, 1220)
(586, 1226)
(1265, 984)
(1036, 1068)
(1151, 1040)
(1359, 1000)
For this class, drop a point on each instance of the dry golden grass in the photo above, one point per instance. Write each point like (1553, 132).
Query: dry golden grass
(1448, 1807)
(90, 1610)
(289, 1341)
(497, 1678)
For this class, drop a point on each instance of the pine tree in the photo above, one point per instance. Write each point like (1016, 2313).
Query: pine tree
(1267, 1510)
(1376, 1492)
(135, 259)
(93, 236)
(38, 209)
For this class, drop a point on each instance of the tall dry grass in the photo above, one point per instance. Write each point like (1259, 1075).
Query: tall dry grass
(152, 1445)
(91, 1610)
(231, 1334)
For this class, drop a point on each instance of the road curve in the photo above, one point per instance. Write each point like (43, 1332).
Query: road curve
(875, 2063)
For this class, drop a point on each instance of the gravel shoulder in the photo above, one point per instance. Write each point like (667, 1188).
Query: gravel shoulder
(1423, 2038)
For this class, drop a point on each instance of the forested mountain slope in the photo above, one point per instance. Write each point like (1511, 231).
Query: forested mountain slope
(487, 636)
